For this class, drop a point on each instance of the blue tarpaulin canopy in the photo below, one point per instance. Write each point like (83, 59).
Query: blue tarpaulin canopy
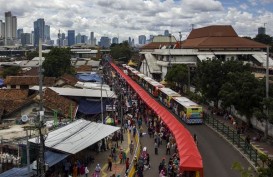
(89, 107)
(1, 82)
(51, 159)
(18, 172)
(92, 77)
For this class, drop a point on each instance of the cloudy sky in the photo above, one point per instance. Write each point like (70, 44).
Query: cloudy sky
(126, 18)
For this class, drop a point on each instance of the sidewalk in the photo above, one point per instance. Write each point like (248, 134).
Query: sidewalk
(261, 146)
(101, 158)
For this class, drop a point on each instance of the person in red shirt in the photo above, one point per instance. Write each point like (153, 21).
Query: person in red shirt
(127, 163)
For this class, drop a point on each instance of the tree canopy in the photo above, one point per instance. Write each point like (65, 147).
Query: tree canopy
(11, 71)
(212, 76)
(121, 51)
(57, 62)
(178, 74)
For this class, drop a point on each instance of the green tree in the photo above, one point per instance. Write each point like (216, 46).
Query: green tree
(266, 171)
(212, 75)
(210, 79)
(57, 62)
(260, 111)
(263, 38)
(11, 71)
(31, 55)
(178, 74)
(121, 51)
(242, 92)
(244, 172)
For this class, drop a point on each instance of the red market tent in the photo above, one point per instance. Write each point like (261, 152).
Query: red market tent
(190, 158)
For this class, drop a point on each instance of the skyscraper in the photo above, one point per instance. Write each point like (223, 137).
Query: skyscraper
(92, 39)
(261, 30)
(47, 32)
(84, 39)
(130, 41)
(78, 38)
(71, 37)
(2, 29)
(8, 21)
(105, 42)
(14, 27)
(19, 32)
(142, 39)
(115, 40)
(166, 33)
(39, 31)
(32, 37)
(25, 39)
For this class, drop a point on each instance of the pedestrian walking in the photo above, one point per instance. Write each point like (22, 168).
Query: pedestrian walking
(131, 146)
(97, 171)
(127, 164)
(168, 148)
(121, 138)
(109, 163)
(86, 171)
(156, 148)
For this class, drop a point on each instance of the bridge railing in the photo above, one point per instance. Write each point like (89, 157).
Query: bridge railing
(236, 139)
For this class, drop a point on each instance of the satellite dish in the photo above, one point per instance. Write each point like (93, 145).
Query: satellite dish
(24, 118)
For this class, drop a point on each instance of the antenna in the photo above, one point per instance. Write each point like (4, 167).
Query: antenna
(192, 26)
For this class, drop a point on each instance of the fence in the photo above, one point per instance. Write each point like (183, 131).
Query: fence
(235, 138)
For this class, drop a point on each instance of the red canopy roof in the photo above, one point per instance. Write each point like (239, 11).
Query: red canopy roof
(190, 158)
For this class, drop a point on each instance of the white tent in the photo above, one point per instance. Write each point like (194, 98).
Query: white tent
(76, 136)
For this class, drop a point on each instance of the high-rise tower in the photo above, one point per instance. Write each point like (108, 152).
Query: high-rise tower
(71, 37)
(39, 31)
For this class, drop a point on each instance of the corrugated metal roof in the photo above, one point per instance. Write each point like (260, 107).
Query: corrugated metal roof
(77, 136)
(91, 93)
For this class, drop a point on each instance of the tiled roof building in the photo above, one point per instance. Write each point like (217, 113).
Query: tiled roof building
(219, 37)
(63, 105)
(12, 100)
(24, 82)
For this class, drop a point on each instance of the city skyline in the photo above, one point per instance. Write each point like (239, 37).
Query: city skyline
(130, 19)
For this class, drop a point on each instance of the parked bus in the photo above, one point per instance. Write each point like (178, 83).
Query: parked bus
(153, 87)
(187, 110)
(166, 94)
(140, 77)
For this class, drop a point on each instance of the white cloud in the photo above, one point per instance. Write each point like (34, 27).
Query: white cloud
(135, 17)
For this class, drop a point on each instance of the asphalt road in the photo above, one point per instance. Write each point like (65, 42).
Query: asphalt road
(217, 154)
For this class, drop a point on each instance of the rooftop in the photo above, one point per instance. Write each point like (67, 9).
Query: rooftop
(28, 80)
(64, 106)
(219, 37)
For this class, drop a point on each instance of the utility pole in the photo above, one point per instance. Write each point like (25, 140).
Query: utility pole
(267, 90)
(180, 36)
(41, 162)
(28, 160)
(189, 78)
(101, 100)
